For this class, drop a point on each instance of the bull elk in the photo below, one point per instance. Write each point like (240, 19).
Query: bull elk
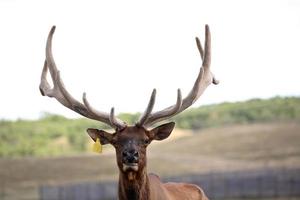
(131, 141)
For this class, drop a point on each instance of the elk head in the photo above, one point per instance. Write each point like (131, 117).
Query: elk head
(130, 142)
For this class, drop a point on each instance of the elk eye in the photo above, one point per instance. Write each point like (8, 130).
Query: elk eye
(146, 141)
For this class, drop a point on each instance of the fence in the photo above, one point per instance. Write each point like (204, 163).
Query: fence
(242, 184)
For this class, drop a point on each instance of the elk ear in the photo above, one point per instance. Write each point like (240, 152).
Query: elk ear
(163, 131)
(105, 138)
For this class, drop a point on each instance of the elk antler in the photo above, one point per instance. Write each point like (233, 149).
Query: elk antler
(60, 93)
(204, 79)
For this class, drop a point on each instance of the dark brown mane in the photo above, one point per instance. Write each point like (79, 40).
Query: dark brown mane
(137, 189)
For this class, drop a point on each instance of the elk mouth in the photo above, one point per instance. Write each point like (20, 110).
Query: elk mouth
(130, 167)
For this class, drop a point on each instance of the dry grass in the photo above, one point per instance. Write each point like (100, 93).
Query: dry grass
(229, 148)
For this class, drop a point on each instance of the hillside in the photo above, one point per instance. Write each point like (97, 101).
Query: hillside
(245, 112)
(54, 135)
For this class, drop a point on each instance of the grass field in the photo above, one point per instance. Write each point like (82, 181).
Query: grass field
(239, 147)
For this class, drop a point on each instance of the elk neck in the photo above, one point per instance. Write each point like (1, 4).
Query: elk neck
(134, 186)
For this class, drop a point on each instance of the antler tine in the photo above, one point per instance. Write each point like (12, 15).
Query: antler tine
(149, 119)
(207, 52)
(60, 93)
(199, 46)
(44, 85)
(215, 81)
(115, 122)
(166, 113)
(148, 110)
(204, 79)
(207, 56)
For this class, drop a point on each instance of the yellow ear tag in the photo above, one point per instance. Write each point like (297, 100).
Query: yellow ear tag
(97, 147)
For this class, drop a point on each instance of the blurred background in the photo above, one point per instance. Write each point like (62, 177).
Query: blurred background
(240, 140)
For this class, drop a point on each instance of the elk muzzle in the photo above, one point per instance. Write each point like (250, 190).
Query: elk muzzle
(130, 159)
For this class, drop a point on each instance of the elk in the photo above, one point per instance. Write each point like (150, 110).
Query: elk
(130, 141)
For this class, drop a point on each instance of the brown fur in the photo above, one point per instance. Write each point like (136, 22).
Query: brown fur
(138, 185)
(149, 187)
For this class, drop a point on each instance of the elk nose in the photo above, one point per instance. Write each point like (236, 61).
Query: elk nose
(130, 156)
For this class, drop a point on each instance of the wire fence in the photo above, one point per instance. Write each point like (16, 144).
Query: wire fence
(263, 183)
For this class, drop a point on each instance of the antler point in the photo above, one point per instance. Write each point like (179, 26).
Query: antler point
(154, 91)
(179, 91)
(112, 110)
(215, 81)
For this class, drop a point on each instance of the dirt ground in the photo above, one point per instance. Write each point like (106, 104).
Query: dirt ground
(272, 145)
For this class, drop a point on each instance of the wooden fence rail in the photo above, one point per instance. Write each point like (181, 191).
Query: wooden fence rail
(242, 184)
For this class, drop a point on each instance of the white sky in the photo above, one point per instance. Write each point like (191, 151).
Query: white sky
(118, 51)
